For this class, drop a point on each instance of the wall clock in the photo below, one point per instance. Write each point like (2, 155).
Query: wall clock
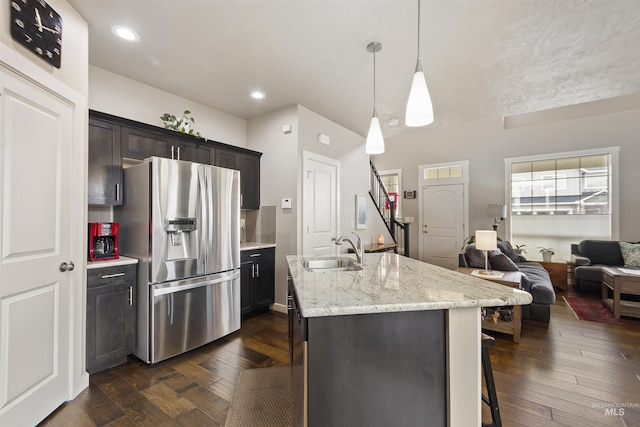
(36, 26)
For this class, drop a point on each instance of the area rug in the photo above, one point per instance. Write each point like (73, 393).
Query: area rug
(591, 309)
(263, 398)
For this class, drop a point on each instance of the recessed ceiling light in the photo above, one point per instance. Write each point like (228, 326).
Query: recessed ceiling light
(125, 33)
(256, 94)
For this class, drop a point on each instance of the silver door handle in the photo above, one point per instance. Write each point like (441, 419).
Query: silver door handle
(257, 270)
(178, 149)
(172, 152)
(241, 200)
(71, 266)
(130, 295)
(110, 276)
(117, 192)
(63, 266)
(253, 271)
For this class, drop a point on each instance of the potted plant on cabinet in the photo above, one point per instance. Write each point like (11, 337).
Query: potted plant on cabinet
(547, 253)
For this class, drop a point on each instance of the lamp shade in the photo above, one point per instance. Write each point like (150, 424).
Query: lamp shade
(486, 240)
(419, 108)
(497, 210)
(375, 141)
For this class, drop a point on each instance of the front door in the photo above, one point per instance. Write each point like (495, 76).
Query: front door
(320, 203)
(442, 224)
(36, 237)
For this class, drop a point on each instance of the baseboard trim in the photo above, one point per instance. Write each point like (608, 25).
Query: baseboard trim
(280, 308)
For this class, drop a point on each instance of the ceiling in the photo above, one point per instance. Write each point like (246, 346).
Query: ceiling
(482, 59)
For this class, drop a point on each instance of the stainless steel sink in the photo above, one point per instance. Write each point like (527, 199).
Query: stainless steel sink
(330, 264)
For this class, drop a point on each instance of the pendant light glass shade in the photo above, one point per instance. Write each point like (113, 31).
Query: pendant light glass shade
(375, 141)
(419, 108)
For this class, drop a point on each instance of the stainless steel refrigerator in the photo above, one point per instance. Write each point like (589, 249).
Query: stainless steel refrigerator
(181, 220)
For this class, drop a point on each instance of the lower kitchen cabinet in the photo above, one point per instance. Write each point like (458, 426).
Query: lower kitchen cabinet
(111, 316)
(257, 280)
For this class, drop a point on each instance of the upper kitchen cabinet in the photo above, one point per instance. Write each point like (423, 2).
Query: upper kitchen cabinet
(105, 163)
(248, 163)
(141, 143)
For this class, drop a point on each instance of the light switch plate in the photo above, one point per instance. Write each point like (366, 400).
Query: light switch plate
(286, 203)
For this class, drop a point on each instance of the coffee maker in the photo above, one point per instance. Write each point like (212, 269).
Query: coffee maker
(103, 241)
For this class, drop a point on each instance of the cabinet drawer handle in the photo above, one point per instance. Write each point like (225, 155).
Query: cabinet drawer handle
(178, 157)
(254, 255)
(172, 152)
(111, 276)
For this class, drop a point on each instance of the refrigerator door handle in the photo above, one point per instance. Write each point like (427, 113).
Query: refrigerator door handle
(170, 303)
(203, 255)
(191, 284)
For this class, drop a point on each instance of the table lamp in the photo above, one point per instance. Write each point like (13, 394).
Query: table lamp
(486, 240)
(498, 212)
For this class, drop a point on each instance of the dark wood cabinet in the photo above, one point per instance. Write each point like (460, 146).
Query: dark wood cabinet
(113, 138)
(111, 316)
(105, 164)
(138, 144)
(257, 280)
(248, 163)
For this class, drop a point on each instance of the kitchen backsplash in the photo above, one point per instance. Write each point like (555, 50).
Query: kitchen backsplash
(260, 225)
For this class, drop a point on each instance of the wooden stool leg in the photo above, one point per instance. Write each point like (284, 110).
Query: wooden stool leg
(492, 399)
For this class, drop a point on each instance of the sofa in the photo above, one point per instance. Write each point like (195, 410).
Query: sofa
(535, 278)
(589, 256)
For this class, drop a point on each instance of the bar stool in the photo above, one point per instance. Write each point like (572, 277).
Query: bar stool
(492, 398)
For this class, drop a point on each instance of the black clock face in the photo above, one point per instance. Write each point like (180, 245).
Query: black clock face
(38, 27)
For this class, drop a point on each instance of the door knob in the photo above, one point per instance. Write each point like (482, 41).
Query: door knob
(67, 266)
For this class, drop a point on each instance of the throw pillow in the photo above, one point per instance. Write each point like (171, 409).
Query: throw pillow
(630, 253)
(475, 257)
(502, 262)
(508, 250)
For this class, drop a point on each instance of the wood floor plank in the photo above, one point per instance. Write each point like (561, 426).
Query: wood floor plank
(169, 402)
(561, 376)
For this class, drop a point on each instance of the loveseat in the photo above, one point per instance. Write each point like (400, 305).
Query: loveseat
(589, 256)
(535, 278)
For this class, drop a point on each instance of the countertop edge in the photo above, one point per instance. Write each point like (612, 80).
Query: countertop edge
(248, 246)
(123, 260)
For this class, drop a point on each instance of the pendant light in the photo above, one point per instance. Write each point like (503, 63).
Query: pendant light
(419, 109)
(375, 141)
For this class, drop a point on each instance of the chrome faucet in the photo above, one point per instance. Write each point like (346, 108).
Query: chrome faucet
(357, 247)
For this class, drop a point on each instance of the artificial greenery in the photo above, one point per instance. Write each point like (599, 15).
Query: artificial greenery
(553, 251)
(519, 249)
(180, 124)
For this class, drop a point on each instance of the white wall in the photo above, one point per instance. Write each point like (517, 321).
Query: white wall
(281, 176)
(114, 94)
(75, 46)
(278, 179)
(613, 122)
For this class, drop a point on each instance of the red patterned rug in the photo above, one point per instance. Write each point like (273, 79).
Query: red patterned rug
(591, 308)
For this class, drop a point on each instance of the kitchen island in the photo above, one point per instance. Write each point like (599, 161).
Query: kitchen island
(396, 343)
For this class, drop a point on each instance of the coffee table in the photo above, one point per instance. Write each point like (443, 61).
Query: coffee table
(513, 280)
(620, 282)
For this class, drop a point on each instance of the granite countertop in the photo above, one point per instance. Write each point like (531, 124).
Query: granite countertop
(123, 260)
(390, 283)
(247, 246)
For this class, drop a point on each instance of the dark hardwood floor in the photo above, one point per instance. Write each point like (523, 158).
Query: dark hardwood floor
(575, 373)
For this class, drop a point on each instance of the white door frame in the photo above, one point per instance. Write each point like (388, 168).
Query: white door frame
(306, 156)
(423, 182)
(25, 67)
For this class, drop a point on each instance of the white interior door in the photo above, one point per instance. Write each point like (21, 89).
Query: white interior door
(320, 203)
(442, 224)
(35, 239)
